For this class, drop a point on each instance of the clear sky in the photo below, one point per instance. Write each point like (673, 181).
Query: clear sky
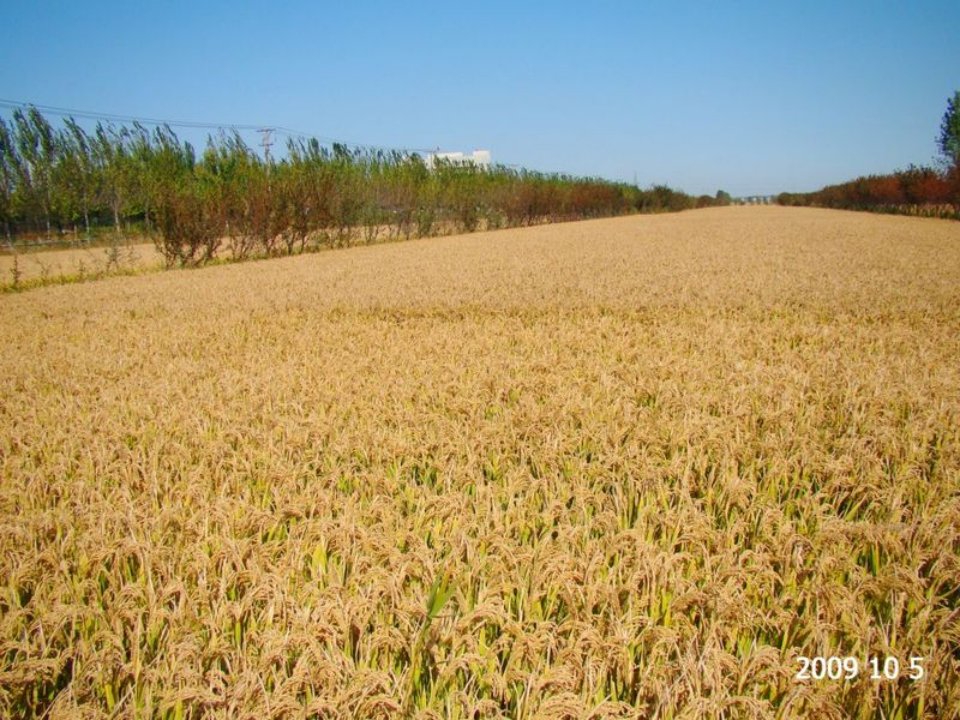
(751, 97)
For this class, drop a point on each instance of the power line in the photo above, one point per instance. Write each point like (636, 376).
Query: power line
(192, 124)
(90, 115)
(289, 132)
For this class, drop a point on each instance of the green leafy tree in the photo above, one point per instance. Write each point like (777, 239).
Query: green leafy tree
(75, 175)
(949, 140)
(8, 175)
(112, 161)
(162, 162)
(37, 148)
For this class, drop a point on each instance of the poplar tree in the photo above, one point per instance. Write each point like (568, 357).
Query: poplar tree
(949, 140)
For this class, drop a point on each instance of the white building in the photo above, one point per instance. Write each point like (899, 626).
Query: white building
(478, 158)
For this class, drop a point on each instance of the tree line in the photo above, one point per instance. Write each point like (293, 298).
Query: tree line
(933, 191)
(917, 191)
(229, 201)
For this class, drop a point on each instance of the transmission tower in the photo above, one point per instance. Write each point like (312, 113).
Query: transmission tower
(266, 140)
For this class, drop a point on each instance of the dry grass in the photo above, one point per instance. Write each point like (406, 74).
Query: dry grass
(624, 467)
(54, 266)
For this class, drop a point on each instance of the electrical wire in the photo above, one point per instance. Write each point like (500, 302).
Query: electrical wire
(196, 125)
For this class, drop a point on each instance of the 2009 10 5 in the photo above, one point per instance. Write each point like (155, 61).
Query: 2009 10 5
(834, 667)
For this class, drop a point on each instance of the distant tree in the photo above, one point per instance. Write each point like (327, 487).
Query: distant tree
(37, 148)
(949, 140)
(112, 162)
(8, 177)
(723, 197)
(75, 174)
(920, 185)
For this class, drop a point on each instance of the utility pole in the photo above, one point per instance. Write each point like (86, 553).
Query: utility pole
(266, 140)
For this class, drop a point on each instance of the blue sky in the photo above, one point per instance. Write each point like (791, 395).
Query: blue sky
(751, 97)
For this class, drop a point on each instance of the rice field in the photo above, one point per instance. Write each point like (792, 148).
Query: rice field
(635, 467)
